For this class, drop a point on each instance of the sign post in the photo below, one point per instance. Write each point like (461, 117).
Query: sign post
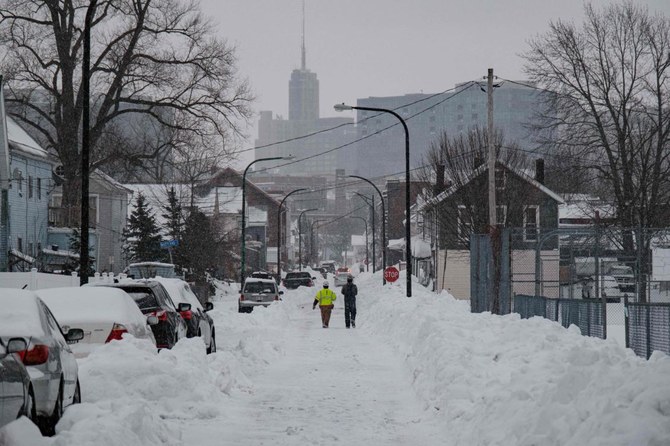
(391, 274)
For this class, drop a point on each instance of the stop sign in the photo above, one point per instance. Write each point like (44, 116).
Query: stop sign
(391, 274)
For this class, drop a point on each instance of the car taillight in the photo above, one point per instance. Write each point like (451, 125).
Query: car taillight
(117, 333)
(38, 354)
(241, 297)
(161, 315)
(310, 283)
(186, 315)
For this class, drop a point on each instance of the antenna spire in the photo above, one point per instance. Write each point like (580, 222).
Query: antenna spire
(304, 55)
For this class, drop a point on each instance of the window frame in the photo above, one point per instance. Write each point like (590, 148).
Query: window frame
(526, 228)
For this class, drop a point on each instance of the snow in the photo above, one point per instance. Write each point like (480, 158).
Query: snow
(20, 313)
(420, 370)
(25, 142)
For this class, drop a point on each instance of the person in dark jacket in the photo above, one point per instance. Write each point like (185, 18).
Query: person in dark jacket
(350, 291)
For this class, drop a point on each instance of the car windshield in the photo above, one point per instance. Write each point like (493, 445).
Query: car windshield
(259, 287)
(143, 297)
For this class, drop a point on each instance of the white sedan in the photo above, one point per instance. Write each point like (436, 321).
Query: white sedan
(104, 313)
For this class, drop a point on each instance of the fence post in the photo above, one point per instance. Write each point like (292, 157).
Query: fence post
(625, 318)
(33, 279)
(74, 279)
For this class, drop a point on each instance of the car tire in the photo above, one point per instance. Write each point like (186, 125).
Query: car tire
(47, 425)
(212, 344)
(76, 398)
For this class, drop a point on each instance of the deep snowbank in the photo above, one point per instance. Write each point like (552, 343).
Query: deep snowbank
(505, 381)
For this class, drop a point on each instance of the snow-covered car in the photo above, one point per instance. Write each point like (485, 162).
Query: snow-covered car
(198, 322)
(257, 292)
(104, 314)
(16, 393)
(341, 278)
(152, 299)
(48, 358)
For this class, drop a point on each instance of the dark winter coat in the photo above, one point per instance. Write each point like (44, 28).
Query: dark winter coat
(350, 291)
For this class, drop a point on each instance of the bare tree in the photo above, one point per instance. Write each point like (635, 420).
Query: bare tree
(154, 58)
(462, 157)
(610, 107)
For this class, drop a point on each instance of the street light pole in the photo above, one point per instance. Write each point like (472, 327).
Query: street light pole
(300, 236)
(408, 235)
(244, 210)
(374, 236)
(367, 258)
(279, 230)
(381, 197)
(313, 238)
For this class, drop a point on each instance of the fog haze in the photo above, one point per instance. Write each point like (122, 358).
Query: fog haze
(362, 48)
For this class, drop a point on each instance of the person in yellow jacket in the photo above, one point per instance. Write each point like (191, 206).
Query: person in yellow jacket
(325, 298)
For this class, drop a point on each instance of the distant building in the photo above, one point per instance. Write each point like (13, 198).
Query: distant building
(428, 115)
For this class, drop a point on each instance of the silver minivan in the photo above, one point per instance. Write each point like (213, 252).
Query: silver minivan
(48, 358)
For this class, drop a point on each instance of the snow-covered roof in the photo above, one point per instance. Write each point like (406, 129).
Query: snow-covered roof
(23, 141)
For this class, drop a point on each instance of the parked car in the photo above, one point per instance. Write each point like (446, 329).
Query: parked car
(16, 392)
(104, 314)
(341, 278)
(47, 356)
(198, 322)
(323, 272)
(297, 279)
(257, 292)
(152, 299)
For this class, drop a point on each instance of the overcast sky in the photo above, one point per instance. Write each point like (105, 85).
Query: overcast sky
(362, 48)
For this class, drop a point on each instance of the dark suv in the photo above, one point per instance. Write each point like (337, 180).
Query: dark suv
(152, 299)
(296, 279)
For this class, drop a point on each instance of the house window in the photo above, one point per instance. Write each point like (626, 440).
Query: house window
(39, 188)
(30, 187)
(501, 215)
(464, 222)
(501, 179)
(31, 252)
(19, 244)
(531, 216)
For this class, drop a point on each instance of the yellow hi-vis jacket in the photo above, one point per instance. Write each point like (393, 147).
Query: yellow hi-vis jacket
(325, 296)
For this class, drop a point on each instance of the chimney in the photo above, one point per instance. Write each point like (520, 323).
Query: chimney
(539, 170)
(439, 180)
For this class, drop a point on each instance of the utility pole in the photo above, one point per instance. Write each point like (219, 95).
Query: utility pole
(492, 154)
(84, 260)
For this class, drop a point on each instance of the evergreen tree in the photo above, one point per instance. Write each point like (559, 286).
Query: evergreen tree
(174, 217)
(199, 247)
(142, 234)
(75, 247)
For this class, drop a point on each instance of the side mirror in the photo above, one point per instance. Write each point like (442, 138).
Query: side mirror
(281, 292)
(313, 278)
(152, 319)
(16, 345)
(209, 306)
(183, 307)
(74, 335)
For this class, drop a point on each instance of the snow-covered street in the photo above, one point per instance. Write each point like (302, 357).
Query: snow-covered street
(415, 371)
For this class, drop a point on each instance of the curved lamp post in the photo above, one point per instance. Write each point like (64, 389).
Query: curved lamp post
(374, 235)
(244, 210)
(279, 229)
(300, 236)
(408, 235)
(381, 197)
(367, 258)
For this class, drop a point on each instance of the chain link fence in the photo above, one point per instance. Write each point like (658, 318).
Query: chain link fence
(593, 277)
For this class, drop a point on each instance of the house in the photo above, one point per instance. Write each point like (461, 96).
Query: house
(223, 194)
(25, 200)
(108, 209)
(524, 205)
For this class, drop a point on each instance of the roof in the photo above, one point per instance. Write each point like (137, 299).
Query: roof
(21, 140)
(479, 171)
